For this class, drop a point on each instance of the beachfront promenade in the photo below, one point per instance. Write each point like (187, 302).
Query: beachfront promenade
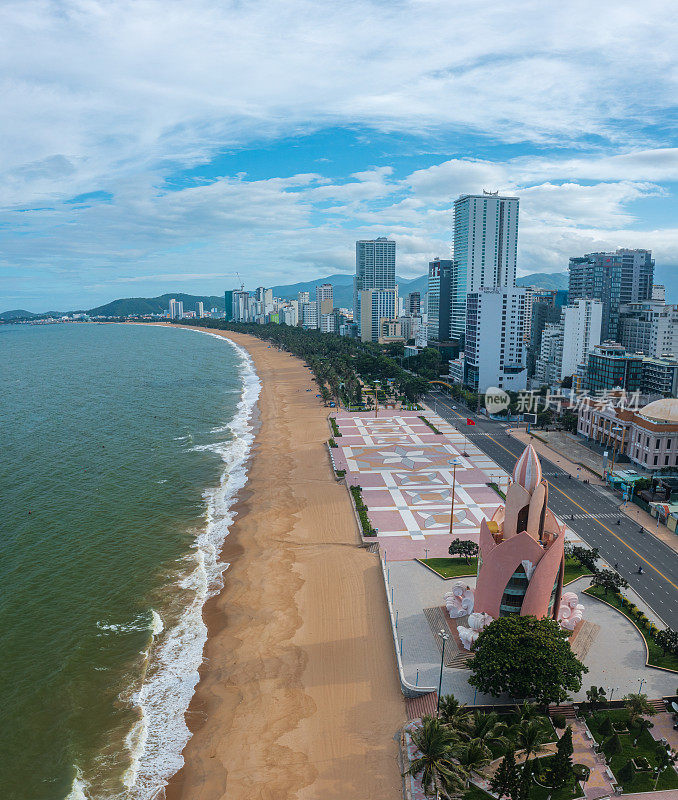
(406, 471)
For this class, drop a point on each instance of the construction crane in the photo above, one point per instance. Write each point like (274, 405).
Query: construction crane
(242, 285)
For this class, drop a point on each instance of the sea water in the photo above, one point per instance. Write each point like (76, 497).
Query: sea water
(122, 449)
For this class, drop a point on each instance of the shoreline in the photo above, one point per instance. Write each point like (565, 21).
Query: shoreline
(298, 696)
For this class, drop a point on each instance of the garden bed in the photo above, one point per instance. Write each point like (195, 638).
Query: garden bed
(642, 781)
(574, 570)
(655, 657)
(451, 567)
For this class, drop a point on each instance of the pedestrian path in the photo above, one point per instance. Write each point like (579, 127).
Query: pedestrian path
(606, 515)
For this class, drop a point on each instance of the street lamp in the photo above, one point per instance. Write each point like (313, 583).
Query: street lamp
(642, 681)
(455, 464)
(444, 636)
(376, 398)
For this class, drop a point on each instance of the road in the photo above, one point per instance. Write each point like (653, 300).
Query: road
(595, 510)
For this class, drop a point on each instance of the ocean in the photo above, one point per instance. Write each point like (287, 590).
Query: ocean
(123, 449)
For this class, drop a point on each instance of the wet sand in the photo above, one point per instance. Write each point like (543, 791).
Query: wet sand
(299, 696)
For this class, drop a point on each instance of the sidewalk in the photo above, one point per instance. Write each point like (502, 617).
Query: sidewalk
(574, 463)
(634, 512)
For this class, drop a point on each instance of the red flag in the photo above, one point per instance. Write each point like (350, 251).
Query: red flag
(470, 422)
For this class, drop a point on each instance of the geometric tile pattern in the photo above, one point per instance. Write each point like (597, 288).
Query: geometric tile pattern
(406, 474)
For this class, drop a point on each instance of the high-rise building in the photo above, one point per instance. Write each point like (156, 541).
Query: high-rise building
(439, 300)
(495, 347)
(565, 344)
(176, 309)
(649, 327)
(324, 298)
(374, 268)
(613, 278)
(309, 315)
(228, 305)
(413, 304)
(241, 306)
(375, 306)
(199, 309)
(485, 249)
(303, 297)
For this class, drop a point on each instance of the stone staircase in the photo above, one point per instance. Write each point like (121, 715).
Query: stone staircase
(658, 705)
(567, 710)
(455, 656)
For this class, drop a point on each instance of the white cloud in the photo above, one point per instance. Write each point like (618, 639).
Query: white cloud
(117, 95)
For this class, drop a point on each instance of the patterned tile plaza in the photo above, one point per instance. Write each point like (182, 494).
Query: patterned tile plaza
(405, 470)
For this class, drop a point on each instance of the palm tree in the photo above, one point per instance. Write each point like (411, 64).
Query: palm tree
(486, 729)
(474, 755)
(638, 707)
(527, 711)
(530, 737)
(452, 712)
(441, 774)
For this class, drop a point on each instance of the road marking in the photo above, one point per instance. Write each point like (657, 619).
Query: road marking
(572, 500)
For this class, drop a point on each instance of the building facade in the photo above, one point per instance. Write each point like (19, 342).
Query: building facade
(374, 268)
(439, 300)
(495, 353)
(413, 304)
(649, 437)
(613, 278)
(609, 366)
(649, 327)
(485, 248)
(376, 305)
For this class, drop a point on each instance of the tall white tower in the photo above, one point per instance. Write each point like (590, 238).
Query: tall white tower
(485, 249)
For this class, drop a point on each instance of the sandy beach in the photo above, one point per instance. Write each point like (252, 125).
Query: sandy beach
(298, 695)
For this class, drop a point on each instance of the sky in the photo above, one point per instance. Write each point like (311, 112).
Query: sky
(162, 146)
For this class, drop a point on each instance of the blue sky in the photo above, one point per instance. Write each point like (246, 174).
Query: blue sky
(152, 147)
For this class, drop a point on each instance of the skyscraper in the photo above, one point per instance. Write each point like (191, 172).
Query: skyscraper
(439, 300)
(485, 249)
(374, 267)
(613, 278)
(413, 304)
(324, 298)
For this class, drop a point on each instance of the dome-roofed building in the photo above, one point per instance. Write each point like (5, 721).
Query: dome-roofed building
(663, 411)
(649, 437)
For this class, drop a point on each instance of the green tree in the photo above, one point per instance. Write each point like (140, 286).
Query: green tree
(612, 746)
(665, 758)
(486, 729)
(609, 581)
(642, 725)
(605, 726)
(548, 667)
(667, 639)
(562, 769)
(452, 712)
(586, 556)
(505, 780)
(596, 697)
(530, 737)
(638, 707)
(441, 774)
(627, 772)
(527, 711)
(460, 547)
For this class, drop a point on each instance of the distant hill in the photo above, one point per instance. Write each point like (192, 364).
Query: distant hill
(154, 305)
(17, 313)
(342, 288)
(544, 280)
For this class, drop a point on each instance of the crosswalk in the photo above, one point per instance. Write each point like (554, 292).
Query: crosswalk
(592, 516)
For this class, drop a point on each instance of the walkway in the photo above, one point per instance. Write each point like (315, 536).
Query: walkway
(599, 783)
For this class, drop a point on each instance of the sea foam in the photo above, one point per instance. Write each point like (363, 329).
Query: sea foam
(157, 740)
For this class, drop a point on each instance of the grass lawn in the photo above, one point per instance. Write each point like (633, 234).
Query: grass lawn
(573, 570)
(452, 567)
(641, 781)
(655, 656)
(536, 793)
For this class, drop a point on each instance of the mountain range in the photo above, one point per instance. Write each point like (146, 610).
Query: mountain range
(342, 284)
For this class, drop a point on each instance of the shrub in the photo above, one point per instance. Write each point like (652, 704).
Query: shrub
(431, 426)
(558, 721)
(335, 427)
(627, 772)
(605, 726)
(340, 473)
(612, 745)
(333, 443)
(368, 530)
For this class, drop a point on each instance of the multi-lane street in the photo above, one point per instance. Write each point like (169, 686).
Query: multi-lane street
(591, 511)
